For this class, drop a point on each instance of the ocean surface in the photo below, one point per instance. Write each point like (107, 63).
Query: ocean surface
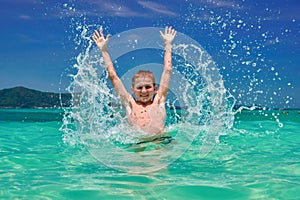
(258, 159)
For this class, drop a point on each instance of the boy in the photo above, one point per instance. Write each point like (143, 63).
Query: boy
(148, 111)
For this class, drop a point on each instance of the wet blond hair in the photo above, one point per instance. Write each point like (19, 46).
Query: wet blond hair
(143, 73)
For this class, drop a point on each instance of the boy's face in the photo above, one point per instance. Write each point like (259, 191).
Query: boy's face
(143, 89)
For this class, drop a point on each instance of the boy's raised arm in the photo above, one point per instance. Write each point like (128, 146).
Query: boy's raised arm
(168, 37)
(102, 42)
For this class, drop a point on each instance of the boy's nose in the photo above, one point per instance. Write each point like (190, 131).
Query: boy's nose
(144, 89)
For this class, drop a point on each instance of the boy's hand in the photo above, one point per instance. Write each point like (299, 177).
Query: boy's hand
(100, 40)
(169, 35)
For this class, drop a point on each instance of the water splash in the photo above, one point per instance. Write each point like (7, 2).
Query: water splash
(199, 106)
(243, 52)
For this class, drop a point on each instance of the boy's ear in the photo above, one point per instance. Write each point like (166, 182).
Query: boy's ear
(132, 90)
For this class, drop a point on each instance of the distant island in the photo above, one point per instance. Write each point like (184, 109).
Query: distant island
(21, 97)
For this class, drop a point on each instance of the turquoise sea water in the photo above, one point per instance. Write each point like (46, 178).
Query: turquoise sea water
(257, 159)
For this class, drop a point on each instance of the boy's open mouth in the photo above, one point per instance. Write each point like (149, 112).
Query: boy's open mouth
(144, 97)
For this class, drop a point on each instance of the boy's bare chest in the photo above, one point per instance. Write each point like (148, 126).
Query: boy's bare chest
(147, 114)
(143, 112)
(150, 118)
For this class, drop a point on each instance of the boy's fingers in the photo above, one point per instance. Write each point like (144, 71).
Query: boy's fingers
(108, 36)
(96, 33)
(161, 34)
(173, 32)
(101, 32)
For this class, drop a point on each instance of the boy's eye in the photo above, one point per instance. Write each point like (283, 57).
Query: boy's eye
(147, 87)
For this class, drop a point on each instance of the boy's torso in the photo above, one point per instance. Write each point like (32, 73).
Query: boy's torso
(150, 118)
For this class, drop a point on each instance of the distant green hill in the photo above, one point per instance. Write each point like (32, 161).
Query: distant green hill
(21, 97)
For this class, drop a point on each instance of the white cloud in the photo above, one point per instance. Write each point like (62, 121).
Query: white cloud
(120, 9)
(223, 4)
(27, 38)
(115, 9)
(21, 1)
(100, 8)
(156, 7)
(25, 17)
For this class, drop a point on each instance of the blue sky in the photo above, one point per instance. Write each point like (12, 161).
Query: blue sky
(254, 43)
